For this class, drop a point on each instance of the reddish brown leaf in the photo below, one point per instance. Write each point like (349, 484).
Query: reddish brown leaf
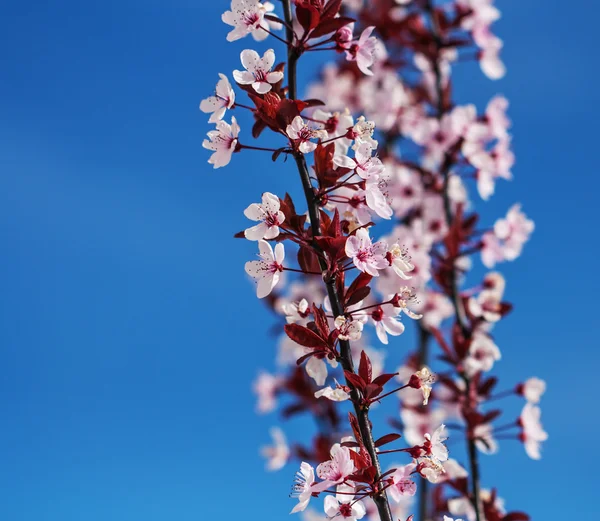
(304, 336)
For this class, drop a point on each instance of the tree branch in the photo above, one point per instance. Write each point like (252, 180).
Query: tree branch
(454, 292)
(362, 412)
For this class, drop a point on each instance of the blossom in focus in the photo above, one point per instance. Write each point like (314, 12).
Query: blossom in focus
(301, 489)
(367, 166)
(348, 329)
(400, 261)
(223, 99)
(386, 322)
(365, 51)
(266, 271)
(223, 141)
(301, 133)
(422, 379)
(337, 469)
(344, 507)
(258, 70)
(435, 444)
(269, 215)
(248, 17)
(277, 454)
(366, 255)
(335, 394)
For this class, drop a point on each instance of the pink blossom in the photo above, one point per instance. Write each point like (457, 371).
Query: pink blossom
(277, 454)
(376, 199)
(223, 99)
(482, 354)
(337, 125)
(338, 393)
(344, 507)
(269, 215)
(484, 438)
(402, 485)
(248, 17)
(348, 329)
(223, 141)
(266, 387)
(532, 389)
(400, 261)
(302, 488)
(366, 166)
(386, 322)
(258, 70)
(533, 433)
(301, 133)
(367, 257)
(435, 444)
(266, 271)
(514, 230)
(422, 379)
(365, 51)
(337, 469)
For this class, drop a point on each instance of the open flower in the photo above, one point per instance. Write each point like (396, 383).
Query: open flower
(266, 271)
(365, 51)
(482, 354)
(367, 257)
(402, 485)
(248, 17)
(269, 215)
(386, 322)
(258, 70)
(345, 507)
(337, 469)
(423, 379)
(400, 261)
(223, 141)
(337, 394)
(277, 454)
(435, 445)
(301, 133)
(223, 99)
(533, 433)
(348, 329)
(367, 166)
(302, 488)
(532, 389)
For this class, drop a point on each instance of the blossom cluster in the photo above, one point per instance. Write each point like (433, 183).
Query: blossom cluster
(378, 141)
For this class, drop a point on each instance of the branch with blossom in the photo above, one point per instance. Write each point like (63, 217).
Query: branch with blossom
(407, 160)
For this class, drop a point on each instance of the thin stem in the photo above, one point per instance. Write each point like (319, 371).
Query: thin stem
(302, 271)
(390, 393)
(362, 412)
(502, 394)
(275, 36)
(249, 147)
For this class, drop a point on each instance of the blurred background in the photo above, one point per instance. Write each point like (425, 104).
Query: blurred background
(129, 333)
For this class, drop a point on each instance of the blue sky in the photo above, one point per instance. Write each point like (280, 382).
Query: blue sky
(129, 335)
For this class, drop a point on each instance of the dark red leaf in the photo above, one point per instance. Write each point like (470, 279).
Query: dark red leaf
(388, 438)
(330, 26)
(321, 321)
(382, 379)
(313, 102)
(365, 370)
(308, 17)
(516, 516)
(304, 336)
(355, 380)
(331, 9)
(358, 295)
